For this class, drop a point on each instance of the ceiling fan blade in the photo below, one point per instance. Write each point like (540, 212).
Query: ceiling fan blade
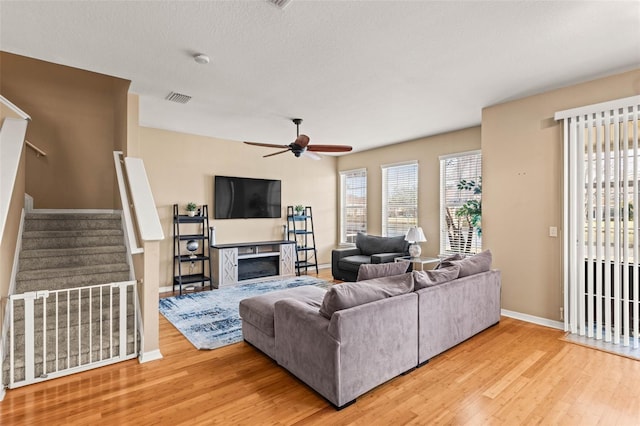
(276, 153)
(312, 155)
(329, 148)
(266, 145)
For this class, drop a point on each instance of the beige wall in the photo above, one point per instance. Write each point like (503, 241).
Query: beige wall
(181, 168)
(427, 151)
(78, 118)
(522, 190)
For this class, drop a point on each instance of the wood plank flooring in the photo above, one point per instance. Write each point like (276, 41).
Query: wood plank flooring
(511, 374)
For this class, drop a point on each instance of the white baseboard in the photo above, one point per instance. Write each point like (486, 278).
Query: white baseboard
(533, 319)
(150, 356)
(3, 392)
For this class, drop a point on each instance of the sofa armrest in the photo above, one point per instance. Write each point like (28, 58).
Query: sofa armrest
(378, 341)
(344, 252)
(337, 254)
(385, 257)
(304, 347)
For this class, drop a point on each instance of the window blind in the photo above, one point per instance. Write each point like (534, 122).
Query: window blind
(399, 198)
(601, 252)
(353, 194)
(461, 203)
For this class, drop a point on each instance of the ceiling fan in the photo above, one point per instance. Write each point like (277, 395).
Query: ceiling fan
(301, 145)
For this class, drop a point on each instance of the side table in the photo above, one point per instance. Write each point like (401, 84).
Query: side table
(418, 261)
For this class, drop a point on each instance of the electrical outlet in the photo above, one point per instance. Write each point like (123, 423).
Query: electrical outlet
(562, 314)
(553, 231)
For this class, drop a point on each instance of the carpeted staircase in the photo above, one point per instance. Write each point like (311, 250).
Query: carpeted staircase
(82, 326)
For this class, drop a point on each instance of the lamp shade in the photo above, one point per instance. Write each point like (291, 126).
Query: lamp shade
(415, 234)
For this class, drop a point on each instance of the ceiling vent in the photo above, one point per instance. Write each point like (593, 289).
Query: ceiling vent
(280, 3)
(178, 97)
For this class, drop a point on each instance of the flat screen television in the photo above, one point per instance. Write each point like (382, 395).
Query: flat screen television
(246, 198)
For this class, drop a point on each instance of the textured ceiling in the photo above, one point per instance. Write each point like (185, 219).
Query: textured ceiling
(362, 73)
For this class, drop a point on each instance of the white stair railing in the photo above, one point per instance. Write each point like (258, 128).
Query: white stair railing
(134, 247)
(12, 135)
(137, 199)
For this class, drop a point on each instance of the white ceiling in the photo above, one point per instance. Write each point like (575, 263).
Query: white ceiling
(361, 73)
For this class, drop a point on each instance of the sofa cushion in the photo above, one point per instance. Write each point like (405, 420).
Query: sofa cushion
(348, 295)
(475, 264)
(423, 279)
(372, 244)
(379, 270)
(258, 310)
(446, 262)
(352, 263)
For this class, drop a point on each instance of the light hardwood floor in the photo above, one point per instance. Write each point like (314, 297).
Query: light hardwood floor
(511, 374)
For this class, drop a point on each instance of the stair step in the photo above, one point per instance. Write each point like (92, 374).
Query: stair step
(33, 240)
(72, 281)
(38, 333)
(72, 221)
(70, 272)
(71, 257)
(108, 306)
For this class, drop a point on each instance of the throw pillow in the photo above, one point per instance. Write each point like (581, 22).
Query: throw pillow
(446, 262)
(423, 279)
(348, 295)
(475, 264)
(373, 244)
(368, 271)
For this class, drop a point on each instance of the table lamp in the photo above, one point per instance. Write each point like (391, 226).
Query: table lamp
(415, 236)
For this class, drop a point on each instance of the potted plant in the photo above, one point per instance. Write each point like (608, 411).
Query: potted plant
(191, 209)
(299, 209)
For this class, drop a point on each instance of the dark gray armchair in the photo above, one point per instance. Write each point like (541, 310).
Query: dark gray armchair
(369, 249)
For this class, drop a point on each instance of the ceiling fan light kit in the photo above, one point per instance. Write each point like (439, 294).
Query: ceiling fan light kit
(301, 145)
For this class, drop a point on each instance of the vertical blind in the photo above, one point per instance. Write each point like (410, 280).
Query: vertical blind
(353, 193)
(461, 203)
(399, 198)
(601, 250)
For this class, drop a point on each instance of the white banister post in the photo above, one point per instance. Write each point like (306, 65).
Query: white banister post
(149, 297)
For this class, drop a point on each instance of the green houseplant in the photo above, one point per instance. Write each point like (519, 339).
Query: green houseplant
(299, 209)
(191, 209)
(467, 219)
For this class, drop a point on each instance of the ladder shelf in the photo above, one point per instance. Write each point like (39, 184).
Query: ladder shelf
(300, 230)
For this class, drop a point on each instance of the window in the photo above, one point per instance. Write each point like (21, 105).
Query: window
(353, 193)
(399, 198)
(461, 203)
(602, 192)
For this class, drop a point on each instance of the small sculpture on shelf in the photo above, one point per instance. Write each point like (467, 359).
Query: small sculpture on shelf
(192, 246)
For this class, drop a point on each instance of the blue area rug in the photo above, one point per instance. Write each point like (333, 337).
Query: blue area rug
(210, 319)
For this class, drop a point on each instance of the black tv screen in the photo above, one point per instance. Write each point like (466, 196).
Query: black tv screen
(246, 198)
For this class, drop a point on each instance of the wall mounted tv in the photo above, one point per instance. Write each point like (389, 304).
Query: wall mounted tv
(246, 198)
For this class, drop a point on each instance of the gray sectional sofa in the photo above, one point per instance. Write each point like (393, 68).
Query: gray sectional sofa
(356, 336)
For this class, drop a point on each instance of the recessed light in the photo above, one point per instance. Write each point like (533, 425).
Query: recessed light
(201, 58)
